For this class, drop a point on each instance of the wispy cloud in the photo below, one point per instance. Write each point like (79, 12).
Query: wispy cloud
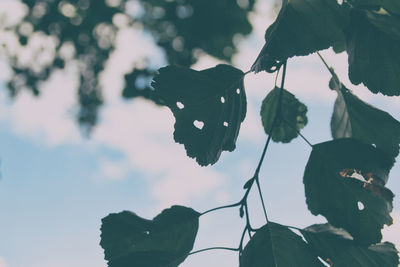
(3, 262)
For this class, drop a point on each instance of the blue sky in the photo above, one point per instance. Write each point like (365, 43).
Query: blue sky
(56, 186)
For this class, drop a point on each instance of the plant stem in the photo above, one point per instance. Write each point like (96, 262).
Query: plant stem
(326, 65)
(222, 207)
(298, 132)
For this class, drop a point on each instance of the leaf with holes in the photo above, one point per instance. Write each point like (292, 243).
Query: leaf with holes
(208, 106)
(276, 245)
(354, 118)
(336, 247)
(344, 181)
(302, 27)
(129, 240)
(374, 54)
(292, 119)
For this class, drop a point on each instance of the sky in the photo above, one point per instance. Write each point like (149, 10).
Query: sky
(56, 185)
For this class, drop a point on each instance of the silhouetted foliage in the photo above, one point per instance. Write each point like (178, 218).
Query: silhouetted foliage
(344, 178)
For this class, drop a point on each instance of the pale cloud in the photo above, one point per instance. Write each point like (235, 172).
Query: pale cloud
(143, 133)
(114, 170)
(50, 117)
(3, 262)
(392, 233)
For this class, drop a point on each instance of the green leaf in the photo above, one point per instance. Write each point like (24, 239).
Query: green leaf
(208, 106)
(302, 27)
(344, 181)
(336, 247)
(354, 118)
(129, 240)
(374, 54)
(389, 5)
(276, 245)
(292, 119)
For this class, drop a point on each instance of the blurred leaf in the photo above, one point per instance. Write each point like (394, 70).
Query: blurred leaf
(336, 247)
(291, 120)
(129, 240)
(208, 106)
(374, 54)
(354, 118)
(344, 181)
(276, 245)
(302, 27)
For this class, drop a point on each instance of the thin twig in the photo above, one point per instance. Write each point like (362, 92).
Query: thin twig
(222, 207)
(213, 248)
(298, 132)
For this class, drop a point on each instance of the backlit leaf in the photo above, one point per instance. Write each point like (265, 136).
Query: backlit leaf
(208, 106)
(344, 181)
(354, 118)
(302, 27)
(336, 247)
(129, 240)
(275, 245)
(291, 120)
(374, 54)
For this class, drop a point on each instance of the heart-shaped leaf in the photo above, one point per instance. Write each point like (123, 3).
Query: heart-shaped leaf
(276, 245)
(337, 248)
(302, 27)
(354, 118)
(344, 181)
(208, 106)
(129, 240)
(291, 120)
(374, 54)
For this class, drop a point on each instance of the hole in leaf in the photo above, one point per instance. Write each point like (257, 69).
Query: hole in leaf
(222, 99)
(374, 145)
(297, 232)
(352, 173)
(146, 232)
(238, 91)
(180, 105)
(360, 205)
(198, 124)
(226, 124)
(325, 262)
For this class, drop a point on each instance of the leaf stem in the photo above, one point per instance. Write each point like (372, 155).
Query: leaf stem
(298, 132)
(222, 207)
(330, 69)
(213, 248)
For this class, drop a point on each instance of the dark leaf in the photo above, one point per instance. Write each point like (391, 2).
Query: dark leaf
(129, 240)
(374, 54)
(354, 118)
(276, 245)
(344, 181)
(336, 247)
(208, 106)
(389, 5)
(292, 119)
(302, 27)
